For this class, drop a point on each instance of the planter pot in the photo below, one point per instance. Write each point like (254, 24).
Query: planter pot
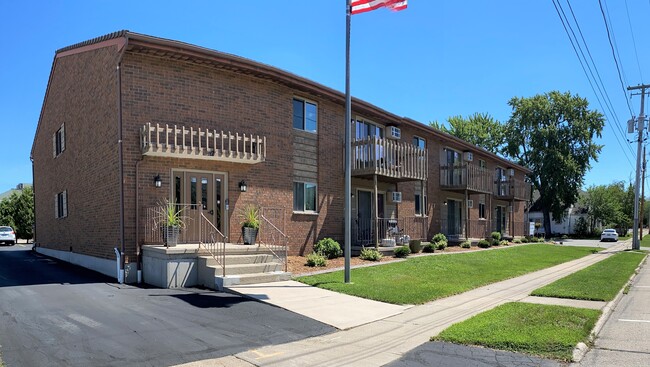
(170, 235)
(249, 235)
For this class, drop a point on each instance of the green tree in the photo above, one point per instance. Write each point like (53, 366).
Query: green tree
(480, 129)
(17, 211)
(552, 134)
(610, 205)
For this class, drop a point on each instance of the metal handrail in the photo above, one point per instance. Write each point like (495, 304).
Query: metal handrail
(272, 247)
(215, 248)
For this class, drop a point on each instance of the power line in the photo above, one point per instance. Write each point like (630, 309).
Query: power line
(636, 54)
(603, 91)
(565, 23)
(611, 45)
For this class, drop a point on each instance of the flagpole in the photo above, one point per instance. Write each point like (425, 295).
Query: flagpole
(348, 133)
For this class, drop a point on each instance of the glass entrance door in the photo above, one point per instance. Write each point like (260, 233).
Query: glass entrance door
(201, 193)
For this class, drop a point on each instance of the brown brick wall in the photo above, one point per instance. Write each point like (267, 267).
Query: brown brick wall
(82, 94)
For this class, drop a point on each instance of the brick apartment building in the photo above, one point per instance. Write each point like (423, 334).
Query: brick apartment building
(130, 120)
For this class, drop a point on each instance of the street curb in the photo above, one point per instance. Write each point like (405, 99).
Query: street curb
(581, 349)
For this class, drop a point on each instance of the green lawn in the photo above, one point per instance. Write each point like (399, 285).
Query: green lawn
(645, 241)
(422, 279)
(542, 330)
(599, 282)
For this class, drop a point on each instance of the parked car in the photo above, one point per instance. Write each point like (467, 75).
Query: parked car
(609, 235)
(7, 235)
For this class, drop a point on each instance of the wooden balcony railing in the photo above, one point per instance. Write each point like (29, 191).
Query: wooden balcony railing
(384, 157)
(512, 189)
(468, 177)
(181, 142)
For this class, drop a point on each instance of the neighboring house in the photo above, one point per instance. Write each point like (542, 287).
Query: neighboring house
(565, 226)
(19, 189)
(130, 120)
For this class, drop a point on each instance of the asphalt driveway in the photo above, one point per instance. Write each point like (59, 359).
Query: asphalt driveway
(56, 314)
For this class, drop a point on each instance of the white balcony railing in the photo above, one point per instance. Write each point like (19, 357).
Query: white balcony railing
(181, 142)
(384, 157)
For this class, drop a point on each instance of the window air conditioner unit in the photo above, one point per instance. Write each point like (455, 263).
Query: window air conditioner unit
(394, 133)
(470, 203)
(511, 171)
(396, 197)
(469, 156)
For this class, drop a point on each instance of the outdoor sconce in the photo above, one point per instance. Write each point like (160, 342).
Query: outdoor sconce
(444, 203)
(242, 186)
(157, 181)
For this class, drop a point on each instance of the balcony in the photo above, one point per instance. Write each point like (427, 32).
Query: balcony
(181, 142)
(393, 160)
(472, 178)
(512, 189)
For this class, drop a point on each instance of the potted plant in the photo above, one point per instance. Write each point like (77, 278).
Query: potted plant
(250, 224)
(171, 221)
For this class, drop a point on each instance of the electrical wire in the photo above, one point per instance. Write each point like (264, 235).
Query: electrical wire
(611, 45)
(636, 54)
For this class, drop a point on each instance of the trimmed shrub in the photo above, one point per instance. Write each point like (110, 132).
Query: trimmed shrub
(483, 243)
(496, 236)
(429, 247)
(316, 259)
(504, 243)
(523, 240)
(370, 254)
(415, 246)
(402, 251)
(328, 248)
(466, 244)
(516, 240)
(439, 241)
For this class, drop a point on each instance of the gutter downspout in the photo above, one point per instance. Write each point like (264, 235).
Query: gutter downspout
(138, 247)
(121, 258)
(31, 158)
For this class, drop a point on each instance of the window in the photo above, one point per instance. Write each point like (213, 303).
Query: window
(366, 129)
(304, 197)
(481, 163)
(305, 115)
(419, 142)
(481, 210)
(58, 141)
(61, 205)
(420, 202)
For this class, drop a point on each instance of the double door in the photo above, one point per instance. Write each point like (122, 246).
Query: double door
(199, 192)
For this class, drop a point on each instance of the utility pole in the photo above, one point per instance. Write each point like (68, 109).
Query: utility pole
(642, 196)
(640, 126)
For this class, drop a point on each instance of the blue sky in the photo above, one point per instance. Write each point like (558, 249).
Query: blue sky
(434, 60)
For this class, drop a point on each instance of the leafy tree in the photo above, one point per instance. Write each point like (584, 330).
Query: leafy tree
(17, 211)
(552, 134)
(480, 129)
(581, 227)
(610, 205)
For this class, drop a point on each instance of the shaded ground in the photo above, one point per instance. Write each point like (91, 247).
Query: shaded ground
(56, 314)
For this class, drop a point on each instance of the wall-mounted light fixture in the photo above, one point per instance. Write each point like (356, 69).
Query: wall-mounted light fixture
(243, 186)
(157, 181)
(444, 203)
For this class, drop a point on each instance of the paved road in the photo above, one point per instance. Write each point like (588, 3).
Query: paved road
(56, 314)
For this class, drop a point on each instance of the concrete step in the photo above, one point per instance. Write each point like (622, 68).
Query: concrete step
(241, 250)
(241, 259)
(234, 280)
(240, 269)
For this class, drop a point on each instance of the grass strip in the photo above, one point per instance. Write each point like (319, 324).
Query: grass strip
(422, 279)
(542, 330)
(599, 282)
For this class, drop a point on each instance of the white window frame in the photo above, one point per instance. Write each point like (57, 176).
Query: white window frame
(481, 205)
(422, 201)
(58, 141)
(304, 183)
(418, 138)
(61, 205)
(305, 101)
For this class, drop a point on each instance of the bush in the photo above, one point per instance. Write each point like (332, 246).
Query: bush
(565, 237)
(516, 240)
(483, 243)
(496, 236)
(429, 247)
(370, 254)
(328, 248)
(439, 241)
(466, 244)
(523, 240)
(504, 243)
(402, 251)
(415, 246)
(316, 259)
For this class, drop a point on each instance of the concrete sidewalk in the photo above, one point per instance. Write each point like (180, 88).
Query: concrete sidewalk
(383, 341)
(623, 340)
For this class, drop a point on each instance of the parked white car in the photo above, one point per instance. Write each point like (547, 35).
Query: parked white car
(7, 235)
(609, 235)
